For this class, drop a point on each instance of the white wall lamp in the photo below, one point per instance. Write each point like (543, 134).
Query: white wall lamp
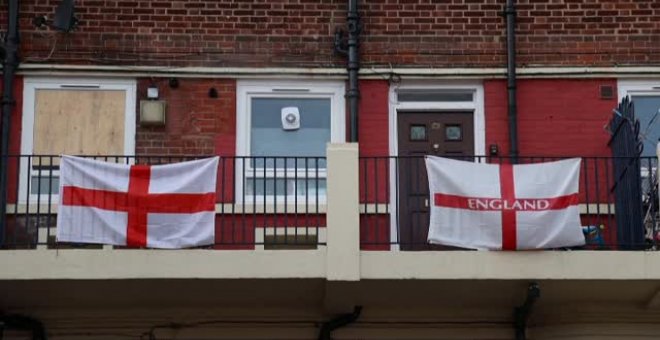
(152, 110)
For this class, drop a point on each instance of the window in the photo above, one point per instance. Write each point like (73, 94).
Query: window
(284, 128)
(72, 116)
(646, 97)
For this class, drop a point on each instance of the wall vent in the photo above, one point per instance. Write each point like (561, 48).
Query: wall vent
(606, 92)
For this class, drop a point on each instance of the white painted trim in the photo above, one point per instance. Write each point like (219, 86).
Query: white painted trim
(334, 72)
(32, 84)
(477, 106)
(248, 89)
(638, 87)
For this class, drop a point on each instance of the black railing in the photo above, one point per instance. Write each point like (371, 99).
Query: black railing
(394, 202)
(270, 202)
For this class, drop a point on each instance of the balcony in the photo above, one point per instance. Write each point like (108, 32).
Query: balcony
(307, 237)
(394, 201)
(343, 217)
(281, 203)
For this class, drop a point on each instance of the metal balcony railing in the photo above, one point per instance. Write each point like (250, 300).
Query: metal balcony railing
(262, 202)
(280, 202)
(395, 213)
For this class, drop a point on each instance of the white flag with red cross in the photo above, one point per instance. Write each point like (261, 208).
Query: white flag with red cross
(160, 206)
(504, 206)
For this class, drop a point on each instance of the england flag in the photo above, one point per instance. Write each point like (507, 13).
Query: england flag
(161, 206)
(504, 206)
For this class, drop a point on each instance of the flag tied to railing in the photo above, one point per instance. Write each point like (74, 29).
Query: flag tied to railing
(160, 206)
(504, 206)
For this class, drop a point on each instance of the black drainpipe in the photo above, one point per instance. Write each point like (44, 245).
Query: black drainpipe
(510, 13)
(353, 92)
(9, 66)
(342, 320)
(23, 323)
(521, 314)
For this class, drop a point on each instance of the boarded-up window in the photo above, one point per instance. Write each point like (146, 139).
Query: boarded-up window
(79, 122)
(92, 117)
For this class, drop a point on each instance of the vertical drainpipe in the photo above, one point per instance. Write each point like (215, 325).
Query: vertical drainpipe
(353, 92)
(9, 66)
(510, 13)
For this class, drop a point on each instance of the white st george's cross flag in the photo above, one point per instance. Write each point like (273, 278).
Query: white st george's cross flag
(160, 206)
(504, 206)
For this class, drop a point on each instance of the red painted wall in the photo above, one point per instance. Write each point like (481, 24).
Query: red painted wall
(15, 140)
(373, 118)
(374, 139)
(374, 175)
(560, 117)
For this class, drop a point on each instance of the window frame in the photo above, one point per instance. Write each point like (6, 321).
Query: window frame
(650, 88)
(30, 87)
(246, 90)
(640, 88)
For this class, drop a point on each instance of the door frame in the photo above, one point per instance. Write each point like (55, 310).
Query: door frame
(476, 106)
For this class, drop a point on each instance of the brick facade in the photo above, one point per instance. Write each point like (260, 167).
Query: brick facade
(299, 33)
(196, 123)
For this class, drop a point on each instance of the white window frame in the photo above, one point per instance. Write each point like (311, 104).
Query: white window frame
(32, 85)
(639, 88)
(246, 90)
(476, 106)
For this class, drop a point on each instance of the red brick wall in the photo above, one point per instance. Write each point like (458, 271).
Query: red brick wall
(555, 117)
(300, 32)
(196, 124)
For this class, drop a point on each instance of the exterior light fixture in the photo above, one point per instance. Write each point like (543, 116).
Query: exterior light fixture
(152, 92)
(152, 110)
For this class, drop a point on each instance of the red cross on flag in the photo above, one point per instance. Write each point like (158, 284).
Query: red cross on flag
(161, 206)
(504, 206)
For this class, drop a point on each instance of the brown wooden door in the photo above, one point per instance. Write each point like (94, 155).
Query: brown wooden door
(449, 134)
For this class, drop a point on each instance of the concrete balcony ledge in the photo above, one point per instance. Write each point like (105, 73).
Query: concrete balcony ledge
(530, 265)
(85, 264)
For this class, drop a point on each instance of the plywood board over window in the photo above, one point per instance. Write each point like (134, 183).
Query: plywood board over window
(79, 122)
(75, 116)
